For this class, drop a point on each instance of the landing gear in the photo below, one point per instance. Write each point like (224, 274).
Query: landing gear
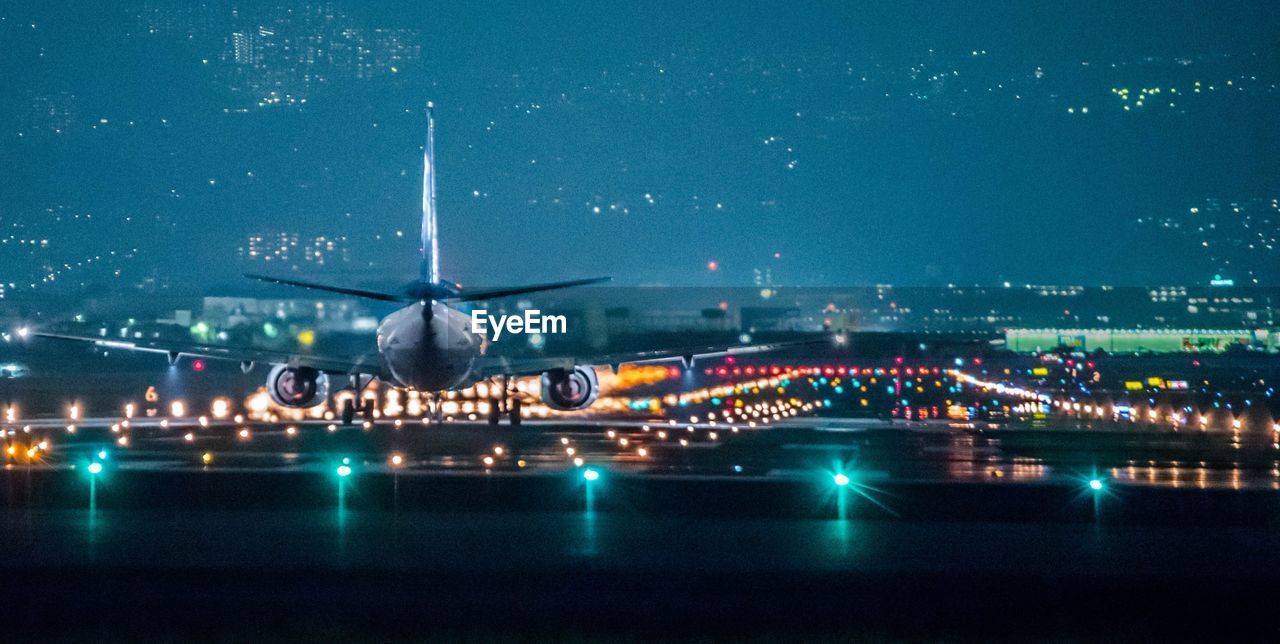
(514, 407)
(435, 409)
(349, 409)
(506, 403)
(352, 405)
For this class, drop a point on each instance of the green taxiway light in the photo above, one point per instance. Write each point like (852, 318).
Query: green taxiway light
(1095, 485)
(590, 474)
(841, 479)
(95, 468)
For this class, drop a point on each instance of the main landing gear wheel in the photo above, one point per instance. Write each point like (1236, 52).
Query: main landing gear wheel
(353, 404)
(495, 411)
(350, 409)
(514, 410)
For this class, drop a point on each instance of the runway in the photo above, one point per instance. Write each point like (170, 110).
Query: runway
(558, 529)
(1055, 452)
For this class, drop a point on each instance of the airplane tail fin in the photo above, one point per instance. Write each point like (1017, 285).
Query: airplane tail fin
(429, 271)
(429, 285)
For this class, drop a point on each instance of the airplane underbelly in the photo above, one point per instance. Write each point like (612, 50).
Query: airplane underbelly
(432, 370)
(431, 354)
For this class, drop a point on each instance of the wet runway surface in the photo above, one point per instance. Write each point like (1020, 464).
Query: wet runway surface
(939, 530)
(1049, 452)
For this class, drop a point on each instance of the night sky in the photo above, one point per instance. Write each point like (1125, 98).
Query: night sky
(818, 143)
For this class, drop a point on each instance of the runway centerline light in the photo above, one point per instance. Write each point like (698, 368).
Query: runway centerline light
(841, 479)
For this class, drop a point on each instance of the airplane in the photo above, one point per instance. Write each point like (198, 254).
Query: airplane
(427, 345)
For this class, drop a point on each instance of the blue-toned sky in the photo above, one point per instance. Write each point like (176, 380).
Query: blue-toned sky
(803, 143)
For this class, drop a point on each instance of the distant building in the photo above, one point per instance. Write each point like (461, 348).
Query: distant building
(1139, 340)
(291, 51)
(294, 250)
(330, 314)
(242, 48)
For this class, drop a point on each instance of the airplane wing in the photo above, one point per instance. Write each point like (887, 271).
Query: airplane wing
(365, 364)
(490, 366)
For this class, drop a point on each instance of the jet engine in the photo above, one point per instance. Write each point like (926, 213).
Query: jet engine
(570, 389)
(297, 386)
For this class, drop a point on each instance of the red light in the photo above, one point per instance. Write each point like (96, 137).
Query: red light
(751, 370)
(898, 359)
(730, 360)
(198, 365)
(977, 361)
(713, 265)
(722, 371)
(673, 372)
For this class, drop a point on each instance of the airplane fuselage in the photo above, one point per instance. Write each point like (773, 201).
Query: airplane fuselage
(433, 353)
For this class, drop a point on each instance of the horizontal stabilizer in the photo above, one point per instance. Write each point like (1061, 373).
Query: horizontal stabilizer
(489, 294)
(422, 291)
(372, 295)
